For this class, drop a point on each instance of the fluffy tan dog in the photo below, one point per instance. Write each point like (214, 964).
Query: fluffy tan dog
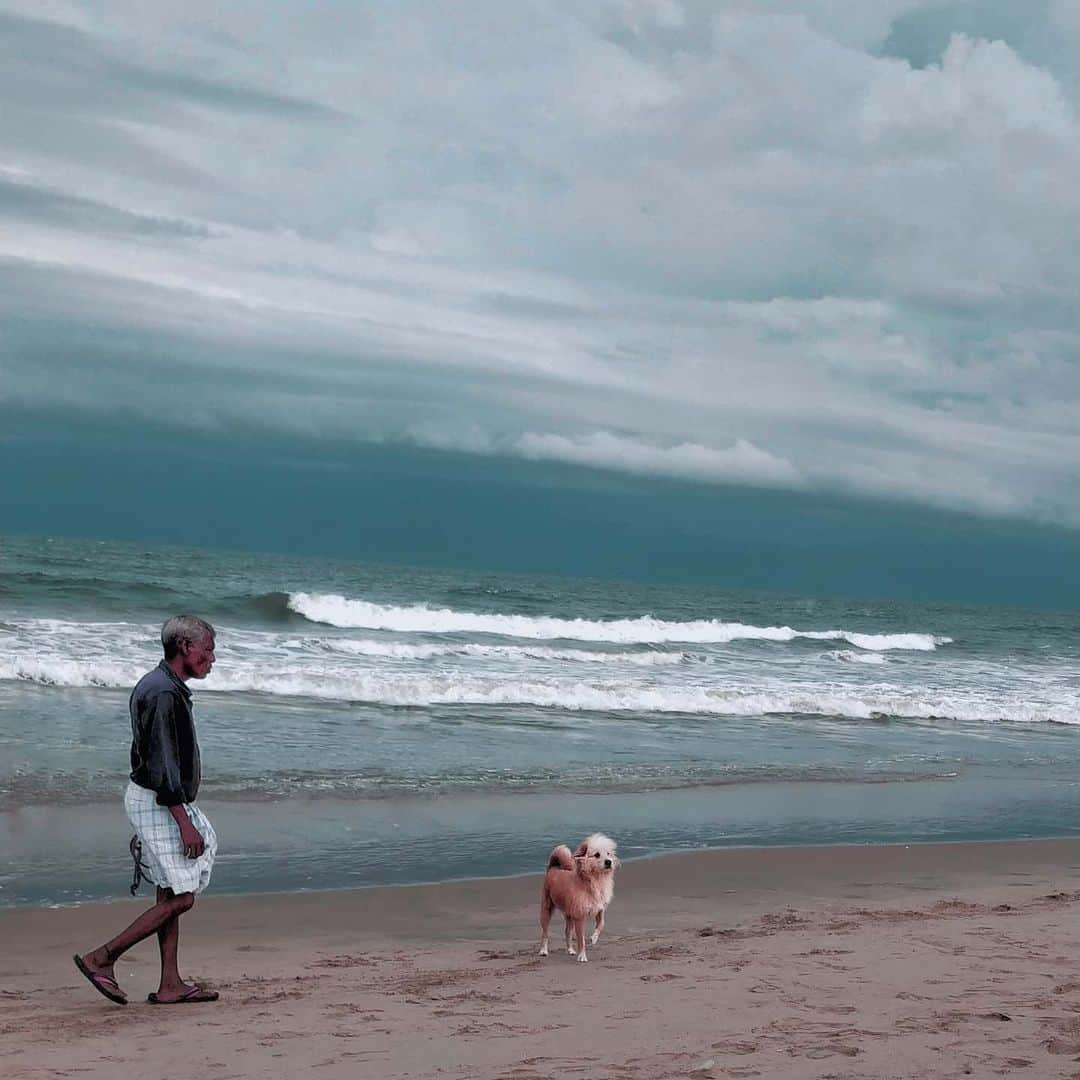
(580, 885)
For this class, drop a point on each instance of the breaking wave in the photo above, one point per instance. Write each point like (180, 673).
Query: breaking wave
(394, 650)
(340, 611)
(849, 657)
(330, 683)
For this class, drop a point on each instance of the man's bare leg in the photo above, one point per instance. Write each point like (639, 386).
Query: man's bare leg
(171, 986)
(168, 909)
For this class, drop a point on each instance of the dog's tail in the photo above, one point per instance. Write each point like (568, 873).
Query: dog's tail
(562, 858)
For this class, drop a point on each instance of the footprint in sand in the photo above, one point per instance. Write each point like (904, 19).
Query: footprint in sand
(344, 960)
(732, 1046)
(1067, 1039)
(832, 1050)
(662, 952)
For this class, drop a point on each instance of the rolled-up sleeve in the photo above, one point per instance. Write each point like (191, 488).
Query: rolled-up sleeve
(162, 758)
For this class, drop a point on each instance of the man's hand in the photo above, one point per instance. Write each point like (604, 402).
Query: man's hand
(190, 838)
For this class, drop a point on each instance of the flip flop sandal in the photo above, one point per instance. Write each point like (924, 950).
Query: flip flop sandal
(193, 996)
(103, 984)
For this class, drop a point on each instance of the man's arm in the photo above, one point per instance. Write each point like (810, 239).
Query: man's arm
(162, 761)
(164, 769)
(190, 837)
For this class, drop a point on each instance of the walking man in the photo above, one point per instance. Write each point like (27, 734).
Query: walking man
(174, 844)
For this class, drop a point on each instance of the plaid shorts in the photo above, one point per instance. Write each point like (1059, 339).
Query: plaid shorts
(163, 858)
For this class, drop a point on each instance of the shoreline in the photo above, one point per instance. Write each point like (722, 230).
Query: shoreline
(927, 960)
(213, 895)
(59, 856)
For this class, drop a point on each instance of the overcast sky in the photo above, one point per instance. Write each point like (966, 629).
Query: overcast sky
(828, 246)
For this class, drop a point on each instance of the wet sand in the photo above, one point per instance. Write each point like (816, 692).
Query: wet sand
(943, 960)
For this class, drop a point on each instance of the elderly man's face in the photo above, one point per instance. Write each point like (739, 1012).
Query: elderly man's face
(198, 657)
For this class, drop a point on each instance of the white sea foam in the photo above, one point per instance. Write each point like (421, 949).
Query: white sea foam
(849, 656)
(56, 671)
(333, 610)
(397, 651)
(381, 667)
(329, 683)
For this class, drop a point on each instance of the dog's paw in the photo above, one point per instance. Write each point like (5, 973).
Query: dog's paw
(544, 949)
(595, 937)
(583, 959)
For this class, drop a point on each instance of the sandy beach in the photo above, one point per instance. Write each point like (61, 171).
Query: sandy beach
(942, 960)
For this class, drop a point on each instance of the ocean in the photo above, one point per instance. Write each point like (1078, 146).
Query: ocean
(378, 724)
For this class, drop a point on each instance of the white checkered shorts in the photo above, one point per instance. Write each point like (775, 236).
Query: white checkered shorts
(163, 858)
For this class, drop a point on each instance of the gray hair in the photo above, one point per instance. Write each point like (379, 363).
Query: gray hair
(181, 628)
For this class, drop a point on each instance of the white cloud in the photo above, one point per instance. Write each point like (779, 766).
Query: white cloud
(981, 86)
(861, 24)
(741, 463)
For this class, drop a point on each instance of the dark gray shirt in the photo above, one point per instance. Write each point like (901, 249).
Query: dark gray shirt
(164, 749)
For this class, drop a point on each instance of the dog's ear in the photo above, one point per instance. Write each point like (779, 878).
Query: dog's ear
(582, 850)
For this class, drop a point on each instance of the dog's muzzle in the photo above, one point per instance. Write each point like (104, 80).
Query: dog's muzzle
(607, 864)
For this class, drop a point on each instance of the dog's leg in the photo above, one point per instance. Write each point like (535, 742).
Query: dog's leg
(545, 921)
(579, 932)
(568, 930)
(599, 926)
